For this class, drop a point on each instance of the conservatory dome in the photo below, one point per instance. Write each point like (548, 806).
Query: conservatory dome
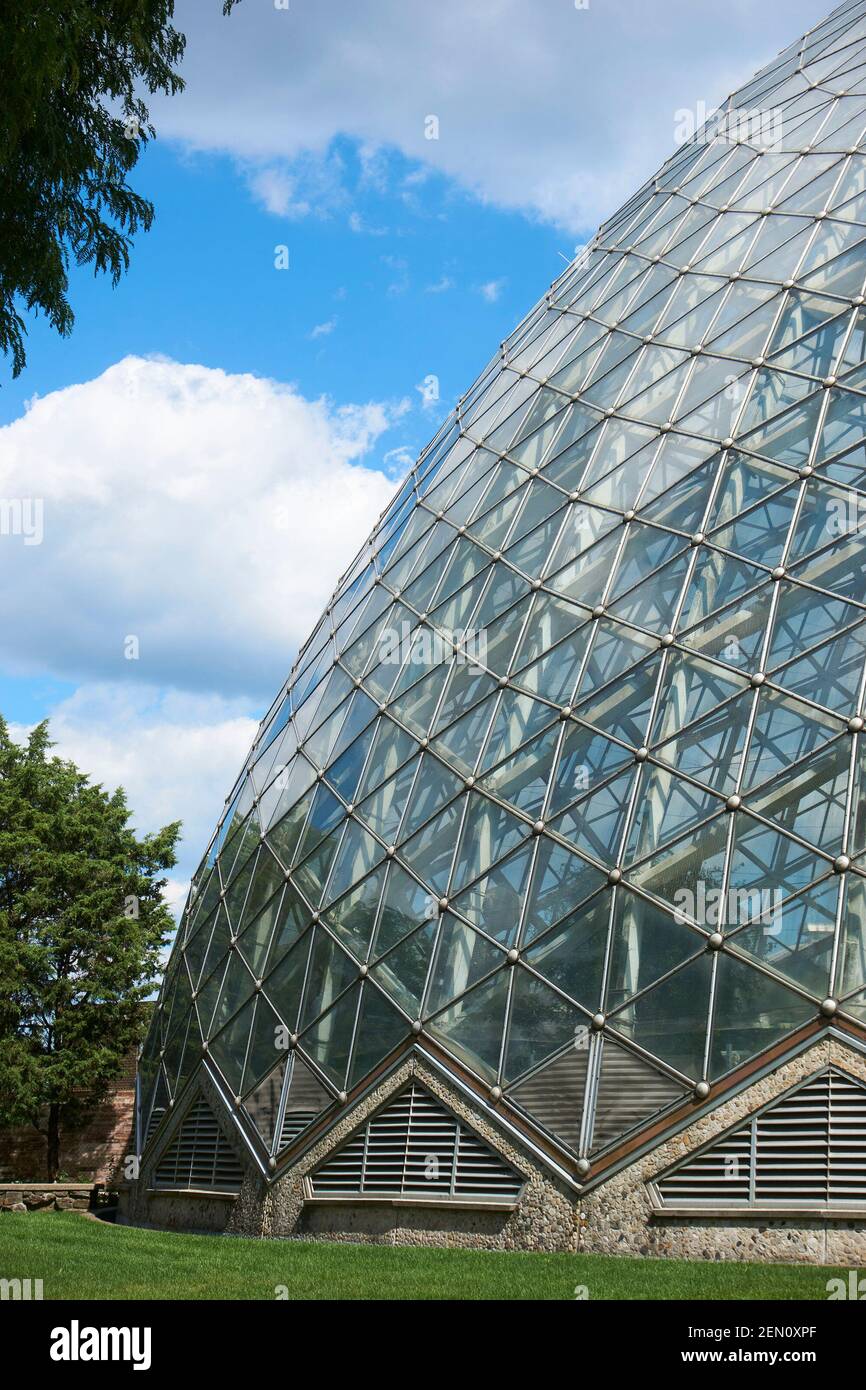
(564, 793)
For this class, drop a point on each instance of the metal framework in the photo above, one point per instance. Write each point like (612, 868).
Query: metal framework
(568, 779)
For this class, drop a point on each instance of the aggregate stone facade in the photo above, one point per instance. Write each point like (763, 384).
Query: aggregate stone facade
(140, 1206)
(545, 1217)
(618, 1216)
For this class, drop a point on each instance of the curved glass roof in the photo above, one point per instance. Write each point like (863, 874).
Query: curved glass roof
(567, 784)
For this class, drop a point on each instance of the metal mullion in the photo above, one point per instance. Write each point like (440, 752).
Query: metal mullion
(476, 984)
(468, 481)
(635, 283)
(842, 898)
(772, 362)
(610, 292)
(728, 242)
(713, 157)
(796, 160)
(606, 781)
(624, 226)
(343, 831)
(849, 630)
(589, 352)
(358, 634)
(435, 598)
(750, 726)
(554, 647)
(655, 1064)
(549, 984)
(711, 1016)
(788, 835)
(474, 706)
(750, 511)
(794, 767)
(554, 331)
(587, 484)
(519, 415)
(673, 248)
(506, 1028)
(509, 757)
(282, 1103)
(350, 1055)
(822, 553)
(743, 957)
(687, 361)
(419, 545)
(590, 1097)
(314, 726)
(812, 588)
(628, 821)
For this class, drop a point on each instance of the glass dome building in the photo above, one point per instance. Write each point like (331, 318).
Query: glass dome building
(536, 915)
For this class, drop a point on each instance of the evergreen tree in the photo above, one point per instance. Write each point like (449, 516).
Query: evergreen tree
(82, 924)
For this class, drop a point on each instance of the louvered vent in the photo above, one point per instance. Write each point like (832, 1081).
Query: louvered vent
(199, 1156)
(156, 1115)
(629, 1092)
(305, 1101)
(415, 1147)
(806, 1150)
(553, 1095)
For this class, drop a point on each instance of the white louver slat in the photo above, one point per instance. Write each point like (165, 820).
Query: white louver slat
(415, 1147)
(199, 1156)
(806, 1150)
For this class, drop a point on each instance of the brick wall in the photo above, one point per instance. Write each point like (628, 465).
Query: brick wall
(93, 1152)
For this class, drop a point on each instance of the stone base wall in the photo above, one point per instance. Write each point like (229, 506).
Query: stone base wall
(545, 1217)
(171, 1212)
(406, 1224)
(61, 1196)
(618, 1217)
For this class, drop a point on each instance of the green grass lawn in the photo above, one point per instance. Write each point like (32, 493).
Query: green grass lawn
(80, 1258)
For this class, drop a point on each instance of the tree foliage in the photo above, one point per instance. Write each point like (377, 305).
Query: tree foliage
(82, 923)
(72, 124)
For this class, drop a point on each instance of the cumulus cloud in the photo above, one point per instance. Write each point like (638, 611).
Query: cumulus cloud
(541, 106)
(176, 756)
(194, 524)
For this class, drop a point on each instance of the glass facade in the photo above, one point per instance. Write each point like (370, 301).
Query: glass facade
(567, 784)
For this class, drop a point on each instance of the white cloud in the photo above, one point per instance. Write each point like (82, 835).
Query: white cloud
(441, 285)
(204, 514)
(323, 330)
(275, 190)
(175, 755)
(491, 290)
(542, 107)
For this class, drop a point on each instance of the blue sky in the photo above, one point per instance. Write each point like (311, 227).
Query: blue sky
(216, 438)
(430, 284)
